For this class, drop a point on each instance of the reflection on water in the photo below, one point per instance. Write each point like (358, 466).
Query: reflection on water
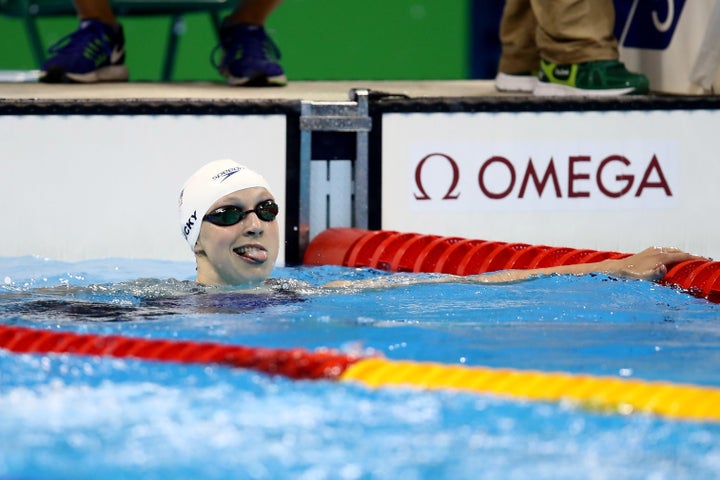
(143, 299)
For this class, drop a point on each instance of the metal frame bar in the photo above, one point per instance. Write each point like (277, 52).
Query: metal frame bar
(350, 116)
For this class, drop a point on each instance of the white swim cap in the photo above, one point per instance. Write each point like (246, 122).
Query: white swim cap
(210, 183)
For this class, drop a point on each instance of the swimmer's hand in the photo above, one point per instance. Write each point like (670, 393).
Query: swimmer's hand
(650, 264)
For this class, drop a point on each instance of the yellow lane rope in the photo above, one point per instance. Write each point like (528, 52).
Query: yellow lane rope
(619, 395)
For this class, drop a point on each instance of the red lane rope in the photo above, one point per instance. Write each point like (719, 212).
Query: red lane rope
(295, 363)
(414, 252)
(681, 401)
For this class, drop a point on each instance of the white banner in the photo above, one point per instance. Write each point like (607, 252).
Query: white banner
(618, 181)
(76, 187)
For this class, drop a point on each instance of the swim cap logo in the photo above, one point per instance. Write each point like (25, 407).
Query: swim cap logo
(225, 174)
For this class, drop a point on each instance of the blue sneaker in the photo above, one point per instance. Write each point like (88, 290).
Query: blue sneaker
(95, 52)
(250, 57)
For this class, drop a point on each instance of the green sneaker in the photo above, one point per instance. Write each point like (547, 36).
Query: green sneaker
(591, 79)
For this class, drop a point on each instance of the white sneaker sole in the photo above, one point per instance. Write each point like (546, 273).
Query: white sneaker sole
(546, 89)
(113, 73)
(505, 82)
(276, 81)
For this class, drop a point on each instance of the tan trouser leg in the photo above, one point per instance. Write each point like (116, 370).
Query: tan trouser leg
(560, 31)
(575, 31)
(517, 35)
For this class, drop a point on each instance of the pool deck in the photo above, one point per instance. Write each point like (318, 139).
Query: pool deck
(301, 90)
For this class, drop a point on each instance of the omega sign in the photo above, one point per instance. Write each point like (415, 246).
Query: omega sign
(462, 177)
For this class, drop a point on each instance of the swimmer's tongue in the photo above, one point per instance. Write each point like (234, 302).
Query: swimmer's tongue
(253, 254)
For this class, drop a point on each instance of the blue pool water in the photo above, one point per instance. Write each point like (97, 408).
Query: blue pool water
(64, 416)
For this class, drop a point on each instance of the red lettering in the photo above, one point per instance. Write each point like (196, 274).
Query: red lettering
(654, 165)
(629, 179)
(455, 178)
(495, 185)
(481, 177)
(540, 184)
(572, 176)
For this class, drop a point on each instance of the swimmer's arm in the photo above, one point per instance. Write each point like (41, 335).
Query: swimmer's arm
(650, 264)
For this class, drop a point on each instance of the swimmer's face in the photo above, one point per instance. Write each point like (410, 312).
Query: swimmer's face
(241, 254)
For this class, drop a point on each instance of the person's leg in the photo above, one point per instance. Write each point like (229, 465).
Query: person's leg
(250, 57)
(253, 12)
(95, 9)
(93, 53)
(579, 52)
(575, 31)
(519, 59)
(517, 36)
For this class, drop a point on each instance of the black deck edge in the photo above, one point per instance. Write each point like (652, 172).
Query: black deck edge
(380, 102)
(141, 106)
(383, 102)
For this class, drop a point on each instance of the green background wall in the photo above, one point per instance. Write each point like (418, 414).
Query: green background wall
(319, 40)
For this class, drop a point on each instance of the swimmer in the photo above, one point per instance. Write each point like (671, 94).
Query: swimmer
(228, 216)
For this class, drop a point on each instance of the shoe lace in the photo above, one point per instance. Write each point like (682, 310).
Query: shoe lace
(91, 39)
(214, 57)
(252, 43)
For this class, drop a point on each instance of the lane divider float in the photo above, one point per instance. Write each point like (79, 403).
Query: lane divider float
(414, 252)
(606, 394)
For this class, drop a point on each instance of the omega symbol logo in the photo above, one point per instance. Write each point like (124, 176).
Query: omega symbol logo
(451, 194)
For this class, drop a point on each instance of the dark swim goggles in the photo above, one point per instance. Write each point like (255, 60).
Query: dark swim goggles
(230, 214)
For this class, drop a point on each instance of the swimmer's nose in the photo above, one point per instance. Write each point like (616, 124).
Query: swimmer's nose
(252, 225)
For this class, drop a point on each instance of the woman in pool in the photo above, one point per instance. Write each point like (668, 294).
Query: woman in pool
(228, 217)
